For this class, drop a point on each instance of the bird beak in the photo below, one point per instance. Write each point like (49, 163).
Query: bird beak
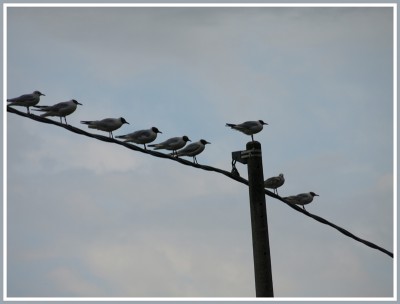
(80, 103)
(159, 131)
(42, 94)
(208, 142)
(316, 194)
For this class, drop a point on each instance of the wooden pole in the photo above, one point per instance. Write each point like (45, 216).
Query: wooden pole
(259, 224)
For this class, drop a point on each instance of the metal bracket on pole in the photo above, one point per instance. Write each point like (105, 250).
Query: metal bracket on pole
(243, 156)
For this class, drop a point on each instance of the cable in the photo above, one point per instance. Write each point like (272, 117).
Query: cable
(231, 175)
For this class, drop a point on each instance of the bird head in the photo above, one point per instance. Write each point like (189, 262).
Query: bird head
(313, 194)
(204, 142)
(155, 130)
(38, 93)
(262, 122)
(76, 102)
(123, 120)
(185, 138)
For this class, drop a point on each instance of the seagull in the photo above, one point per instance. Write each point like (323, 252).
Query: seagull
(248, 127)
(141, 137)
(301, 199)
(26, 100)
(274, 182)
(61, 109)
(173, 144)
(193, 149)
(107, 124)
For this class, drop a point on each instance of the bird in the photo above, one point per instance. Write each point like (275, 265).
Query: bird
(248, 127)
(174, 143)
(61, 109)
(141, 137)
(107, 124)
(301, 199)
(274, 182)
(193, 149)
(26, 100)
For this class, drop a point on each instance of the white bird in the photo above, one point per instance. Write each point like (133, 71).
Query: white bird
(61, 109)
(174, 143)
(142, 137)
(274, 182)
(248, 127)
(107, 124)
(301, 199)
(26, 100)
(193, 149)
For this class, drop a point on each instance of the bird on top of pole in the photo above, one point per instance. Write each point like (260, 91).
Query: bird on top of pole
(248, 127)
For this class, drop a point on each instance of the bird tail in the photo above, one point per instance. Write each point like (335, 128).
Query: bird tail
(91, 124)
(121, 136)
(40, 108)
(155, 146)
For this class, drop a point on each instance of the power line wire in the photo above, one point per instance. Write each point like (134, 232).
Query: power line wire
(198, 166)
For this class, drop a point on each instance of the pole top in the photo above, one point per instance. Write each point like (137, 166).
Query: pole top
(253, 145)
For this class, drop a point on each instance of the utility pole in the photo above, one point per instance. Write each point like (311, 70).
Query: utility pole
(258, 211)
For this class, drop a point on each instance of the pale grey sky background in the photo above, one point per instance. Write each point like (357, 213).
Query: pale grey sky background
(87, 218)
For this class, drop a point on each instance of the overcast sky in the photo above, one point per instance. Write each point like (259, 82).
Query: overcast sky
(88, 218)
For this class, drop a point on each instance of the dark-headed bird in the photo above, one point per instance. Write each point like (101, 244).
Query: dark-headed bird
(174, 143)
(141, 137)
(301, 199)
(248, 127)
(61, 109)
(26, 100)
(107, 125)
(193, 149)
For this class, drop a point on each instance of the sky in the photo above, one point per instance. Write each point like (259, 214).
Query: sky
(93, 219)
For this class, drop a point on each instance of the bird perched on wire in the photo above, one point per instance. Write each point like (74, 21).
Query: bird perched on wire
(108, 124)
(174, 144)
(193, 149)
(274, 182)
(61, 109)
(248, 127)
(141, 137)
(301, 199)
(26, 100)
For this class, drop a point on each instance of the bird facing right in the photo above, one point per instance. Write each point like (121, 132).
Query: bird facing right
(174, 143)
(193, 149)
(274, 182)
(142, 137)
(107, 124)
(61, 109)
(301, 199)
(248, 127)
(26, 100)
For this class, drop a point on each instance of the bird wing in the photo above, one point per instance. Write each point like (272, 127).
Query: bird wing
(248, 124)
(23, 98)
(190, 148)
(272, 181)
